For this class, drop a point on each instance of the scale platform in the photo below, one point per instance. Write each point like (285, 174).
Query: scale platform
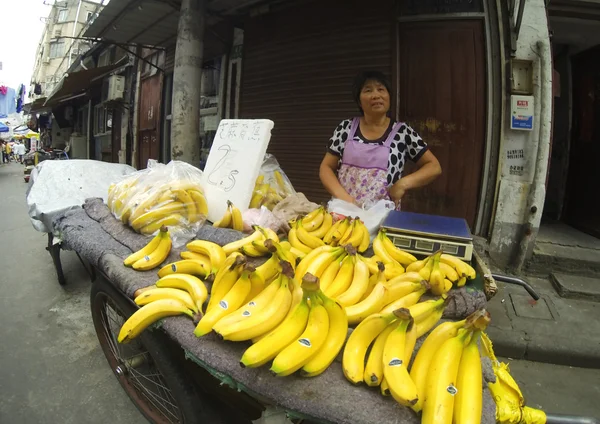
(423, 234)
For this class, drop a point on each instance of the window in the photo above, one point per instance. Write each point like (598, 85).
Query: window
(62, 15)
(57, 49)
(81, 123)
(151, 62)
(90, 16)
(102, 119)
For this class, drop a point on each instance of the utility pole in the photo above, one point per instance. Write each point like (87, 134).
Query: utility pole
(187, 77)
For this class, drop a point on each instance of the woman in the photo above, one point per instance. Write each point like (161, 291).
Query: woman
(366, 155)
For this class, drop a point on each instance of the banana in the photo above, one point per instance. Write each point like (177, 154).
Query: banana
(151, 199)
(229, 303)
(462, 268)
(374, 367)
(380, 250)
(411, 341)
(341, 230)
(353, 360)
(257, 284)
(257, 323)
(312, 222)
(186, 266)
(366, 240)
(144, 251)
(305, 262)
(148, 314)
(305, 238)
(371, 263)
(153, 295)
(449, 272)
(343, 279)
(346, 236)
(372, 304)
(156, 257)
(422, 363)
(297, 354)
(327, 238)
(259, 245)
(441, 382)
(425, 272)
(406, 301)
(469, 399)
(156, 214)
(215, 252)
(461, 281)
(425, 321)
(298, 253)
(225, 221)
(393, 270)
(190, 207)
(250, 250)
(384, 387)
(143, 289)
(283, 186)
(399, 289)
(194, 286)
(324, 228)
(236, 217)
(417, 266)
(436, 277)
(257, 198)
(166, 197)
(167, 221)
(199, 257)
(200, 201)
(395, 363)
(329, 274)
(286, 245)
(336, 336)
(319, 264)
(225, 278)
(358, 287)
(400, 256)
(269, 268)
(282, 254)
(357, 236)
(237, 245)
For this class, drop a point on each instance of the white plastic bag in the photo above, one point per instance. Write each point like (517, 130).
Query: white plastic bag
(271, 186)
(370, 215)
(262, 217)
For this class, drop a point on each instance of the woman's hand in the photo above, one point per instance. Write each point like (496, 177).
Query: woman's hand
(327, 173)
(429, 170)
(398, 190)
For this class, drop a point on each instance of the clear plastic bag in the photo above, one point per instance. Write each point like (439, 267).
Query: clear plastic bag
(169, 195)
(371, 215)
(272, 185)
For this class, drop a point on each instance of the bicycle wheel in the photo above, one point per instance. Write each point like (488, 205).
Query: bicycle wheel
(145, 367)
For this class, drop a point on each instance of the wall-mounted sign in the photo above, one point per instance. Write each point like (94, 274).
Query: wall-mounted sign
(521, 113)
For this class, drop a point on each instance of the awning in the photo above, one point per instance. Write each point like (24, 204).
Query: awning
(37, 106)
(77, 82)
(152, 22)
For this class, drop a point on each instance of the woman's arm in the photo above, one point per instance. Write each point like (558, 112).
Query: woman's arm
(429, 170)
(329, 178)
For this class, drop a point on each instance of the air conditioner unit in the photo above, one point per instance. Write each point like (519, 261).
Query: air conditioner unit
(116, 86)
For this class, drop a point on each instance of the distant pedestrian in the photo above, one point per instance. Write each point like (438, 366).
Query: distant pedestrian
(8, 151)
(19, 151)
(5, 152)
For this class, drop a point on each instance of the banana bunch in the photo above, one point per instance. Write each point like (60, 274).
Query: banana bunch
(153, 254)
(268, 194)
(388, 253)
(443, 271)
(231, 219)
(308, 339)
(254, 244)
(175, 294)
(510, 404)
(447, 372)
(148, 207)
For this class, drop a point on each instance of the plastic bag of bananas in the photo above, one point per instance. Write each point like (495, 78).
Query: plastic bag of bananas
(161, 195)
(271, 186)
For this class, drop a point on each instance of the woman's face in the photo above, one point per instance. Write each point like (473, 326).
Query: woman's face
(374, 98)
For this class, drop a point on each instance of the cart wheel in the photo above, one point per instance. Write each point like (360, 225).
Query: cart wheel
(145, 368)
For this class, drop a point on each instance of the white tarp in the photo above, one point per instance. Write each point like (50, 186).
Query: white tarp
(59, 185)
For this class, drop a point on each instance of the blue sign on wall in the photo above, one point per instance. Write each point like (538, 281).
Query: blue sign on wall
(522, 122)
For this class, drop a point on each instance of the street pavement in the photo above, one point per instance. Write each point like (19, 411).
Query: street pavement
(54, 372)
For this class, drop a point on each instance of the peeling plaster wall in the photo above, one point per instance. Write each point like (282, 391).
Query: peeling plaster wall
(519, 149)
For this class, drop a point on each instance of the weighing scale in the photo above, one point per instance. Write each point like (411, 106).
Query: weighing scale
(423, 234)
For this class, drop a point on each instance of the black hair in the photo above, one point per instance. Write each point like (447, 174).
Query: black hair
(361, 79)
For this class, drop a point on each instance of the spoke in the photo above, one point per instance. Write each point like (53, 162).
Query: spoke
(152, 397)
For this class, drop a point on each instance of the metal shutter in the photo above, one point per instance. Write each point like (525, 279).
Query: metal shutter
(297, 70)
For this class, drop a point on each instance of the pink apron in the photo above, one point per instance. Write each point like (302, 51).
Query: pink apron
(364, 168)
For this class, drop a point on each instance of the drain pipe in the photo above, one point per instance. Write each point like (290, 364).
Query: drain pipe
(537, 192)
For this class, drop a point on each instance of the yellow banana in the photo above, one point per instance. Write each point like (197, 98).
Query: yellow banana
(372, 304)
(425, 272)
(449, 272)
(400, 289)
(426, 320)
(149, 314)
(215, 252)
(190, 207)
(462, 268)
(199, 257)
(259, 245)
(395, 363)
(393, 270)
(305, 238)
(343, 279)
(324, 228)
(297, 354)
(229, 303)
(422, 363)
(417, 265)
(225, 221)
(374, 367)
(151, 199)
(167, 221)
(225, 278)
(269, 268)
(257, 198)
(156, 257)
(257, 284)
(380, 250)
(153, 295)
(286, 245)
(298, 253)
(384, 387)
(250, 250)
(469, 399)
(200, 201)
(461, 281)
(358, 287)
(194, 286)
(349, 231)
(406, 301)
(158, 213)
(327, 238)
(186, 266)
(440, 390)
(366, 240)
(319, 264)
(315, 219)
(144, 251)
(338, 330)
(353, 361)
(237, 245)
(166, 197)
(236, 218)
(357, 236)
(436, 277)
(342, 229)
(283, 186)
(306, 261)
(329, 274)
(371, 263)
(411, 341)
(399, 255)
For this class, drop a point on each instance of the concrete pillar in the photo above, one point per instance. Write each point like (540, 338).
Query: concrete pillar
(187, 76)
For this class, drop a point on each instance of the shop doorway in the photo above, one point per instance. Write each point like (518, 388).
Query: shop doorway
(149, 119)
(442, 95)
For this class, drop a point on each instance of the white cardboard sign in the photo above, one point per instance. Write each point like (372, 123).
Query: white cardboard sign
(234, 162)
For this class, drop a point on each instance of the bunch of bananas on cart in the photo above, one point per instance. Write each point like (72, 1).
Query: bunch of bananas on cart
(231, 219)
(270, 193)
(152, 254)
(147, 207)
